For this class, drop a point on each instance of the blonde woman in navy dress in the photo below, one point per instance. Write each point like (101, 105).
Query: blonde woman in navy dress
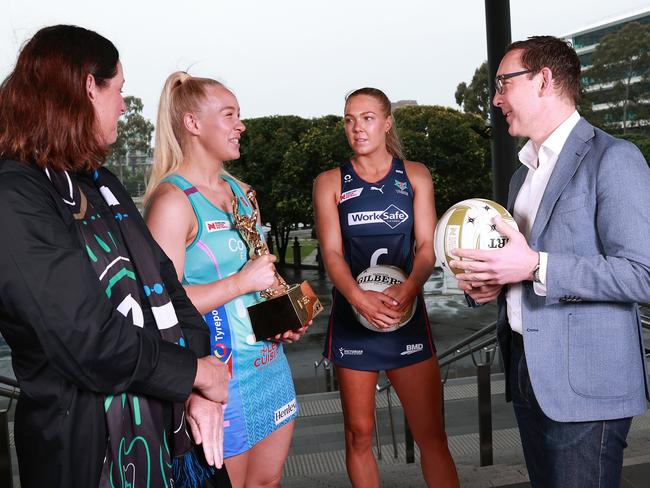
(378, 209)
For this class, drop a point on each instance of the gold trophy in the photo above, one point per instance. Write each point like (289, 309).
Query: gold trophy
(287, 307)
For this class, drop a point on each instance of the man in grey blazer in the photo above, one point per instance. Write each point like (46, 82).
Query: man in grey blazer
(569, 283)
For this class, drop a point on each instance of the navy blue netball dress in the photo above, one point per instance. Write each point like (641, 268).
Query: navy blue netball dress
(377, 228)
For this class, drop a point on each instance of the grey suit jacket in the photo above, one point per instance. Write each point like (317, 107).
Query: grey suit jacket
(583, 339)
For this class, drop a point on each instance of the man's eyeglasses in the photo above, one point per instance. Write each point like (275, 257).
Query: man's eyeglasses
(498, 81)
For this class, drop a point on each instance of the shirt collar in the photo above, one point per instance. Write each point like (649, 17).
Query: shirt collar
(552, 145)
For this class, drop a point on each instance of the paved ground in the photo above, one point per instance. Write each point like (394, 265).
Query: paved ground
(317, 456)
(317, 452)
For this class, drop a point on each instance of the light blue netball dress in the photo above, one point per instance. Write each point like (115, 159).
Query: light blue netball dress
(261, 393)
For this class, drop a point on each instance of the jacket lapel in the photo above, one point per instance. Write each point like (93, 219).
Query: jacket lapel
(515, 185)
(573, 152)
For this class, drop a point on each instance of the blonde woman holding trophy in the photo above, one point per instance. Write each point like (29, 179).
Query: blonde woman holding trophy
(189, 210)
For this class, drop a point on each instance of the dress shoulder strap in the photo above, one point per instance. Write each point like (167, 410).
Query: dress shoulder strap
(180, 182)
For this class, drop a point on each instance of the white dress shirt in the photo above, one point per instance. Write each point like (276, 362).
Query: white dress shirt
(540, 162)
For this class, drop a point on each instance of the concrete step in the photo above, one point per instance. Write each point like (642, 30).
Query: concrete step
(316, 460)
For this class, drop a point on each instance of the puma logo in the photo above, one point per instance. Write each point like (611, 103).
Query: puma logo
(377, 188)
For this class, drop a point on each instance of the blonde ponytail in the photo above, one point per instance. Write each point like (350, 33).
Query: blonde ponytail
(393, 142)
(181, 94)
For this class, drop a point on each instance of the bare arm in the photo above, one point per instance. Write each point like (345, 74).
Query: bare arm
(372, 305)
(424, 223)
(171, 220)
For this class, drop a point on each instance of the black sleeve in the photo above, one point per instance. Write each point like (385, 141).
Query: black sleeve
(46, 281)
(195, 330)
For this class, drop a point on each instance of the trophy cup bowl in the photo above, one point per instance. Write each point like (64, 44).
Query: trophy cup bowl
(288, 307)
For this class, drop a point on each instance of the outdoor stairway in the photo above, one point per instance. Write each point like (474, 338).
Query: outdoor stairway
(317, 455)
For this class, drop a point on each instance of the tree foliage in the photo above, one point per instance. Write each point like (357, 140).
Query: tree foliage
(262, 149)
(453, 146)
(321, 147)
(475, 98)
(131, 152)
(133, 131)
(282, 155)
(620, 74)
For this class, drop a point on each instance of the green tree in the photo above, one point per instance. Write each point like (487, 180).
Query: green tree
(620, 75)
(453, 146)
(132, 149)
(321, 147)
(263, 146)
(475, 98)
(281, 156)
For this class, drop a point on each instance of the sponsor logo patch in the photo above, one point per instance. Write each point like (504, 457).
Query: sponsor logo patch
(286, 411)
(217, 225)
(392, 217)
(220, 336)
(237, 246)
(350, 194)
(350, 352)
(268, 353)
(412, 349)
(379, 278)
(401, 187)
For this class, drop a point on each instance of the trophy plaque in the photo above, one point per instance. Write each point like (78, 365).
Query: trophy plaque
(287, 307)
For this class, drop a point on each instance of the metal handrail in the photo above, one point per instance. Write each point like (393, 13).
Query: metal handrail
(469, 351)
(9, 387)
(387, 387)
(644, 313)
(468, 346)
(330, 377)
(8, 381)
(455, 350)
(468, 340)
(9, 392)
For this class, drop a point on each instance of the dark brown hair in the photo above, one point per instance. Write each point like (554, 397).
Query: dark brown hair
(559, 56)
(46, 116)
(393, 143)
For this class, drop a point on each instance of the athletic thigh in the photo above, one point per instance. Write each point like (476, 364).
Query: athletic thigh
(357, 390)
(266, 458)
(237, 467)
(419, 389)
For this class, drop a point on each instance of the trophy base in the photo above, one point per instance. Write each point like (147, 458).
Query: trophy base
(288, 311)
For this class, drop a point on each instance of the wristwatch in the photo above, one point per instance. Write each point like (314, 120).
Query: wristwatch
(535, 272)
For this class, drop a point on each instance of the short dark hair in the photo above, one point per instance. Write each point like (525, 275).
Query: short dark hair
(46, 116)
(556, 54)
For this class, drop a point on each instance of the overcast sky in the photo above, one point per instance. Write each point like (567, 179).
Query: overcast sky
(299, 56)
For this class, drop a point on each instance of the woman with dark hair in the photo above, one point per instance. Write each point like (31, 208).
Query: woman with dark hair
(104, 340)
(377, 209)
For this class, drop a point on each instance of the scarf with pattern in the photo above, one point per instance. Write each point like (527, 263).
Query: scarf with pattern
(140, 451)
